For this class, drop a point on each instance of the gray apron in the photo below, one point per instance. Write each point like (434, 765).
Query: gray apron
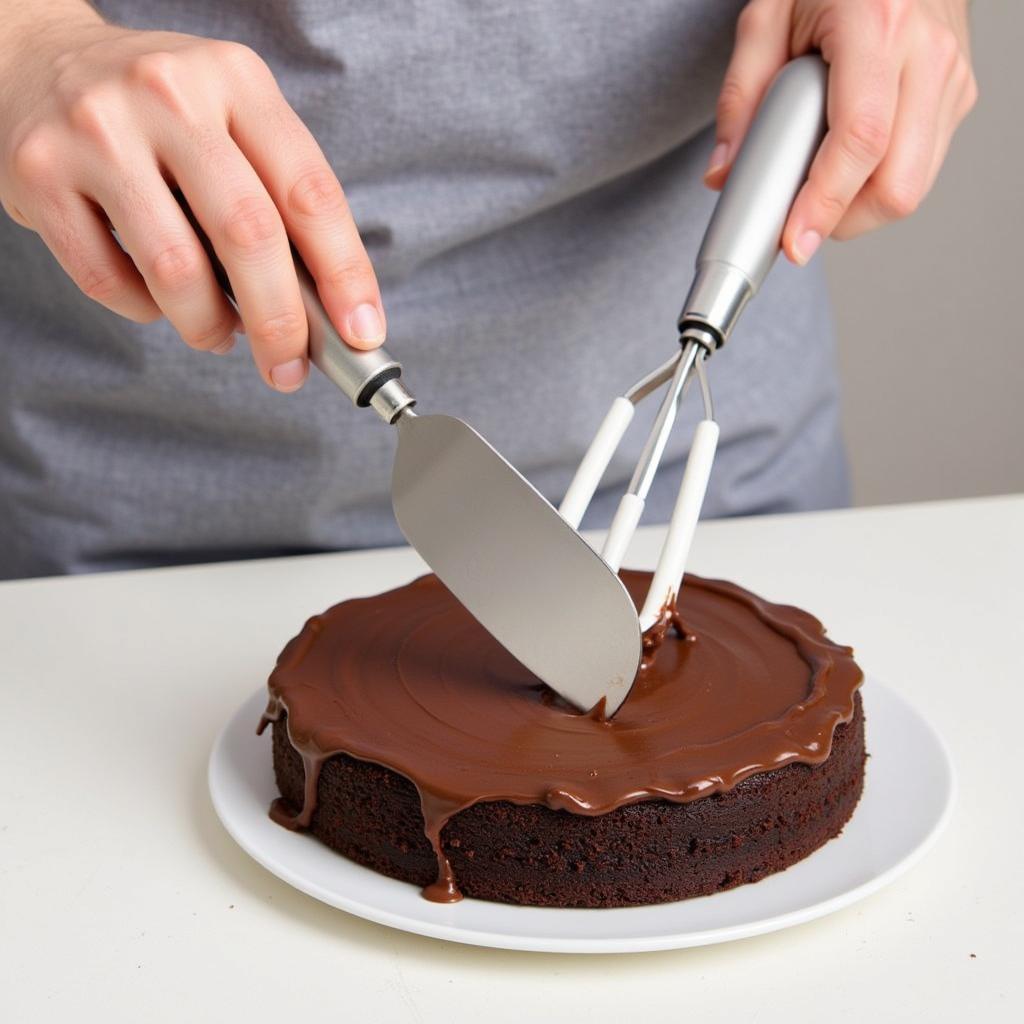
(527, 178)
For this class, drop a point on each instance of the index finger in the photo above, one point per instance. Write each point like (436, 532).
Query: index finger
(315, 211)
(231, 203)
(862, 90)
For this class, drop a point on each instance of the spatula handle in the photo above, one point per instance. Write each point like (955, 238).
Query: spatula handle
(362, 375)
(743, 236)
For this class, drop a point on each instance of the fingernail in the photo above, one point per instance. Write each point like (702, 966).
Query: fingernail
(225, 346)
(806, 246)
(718, 158)
(289, 376)
(365, 324)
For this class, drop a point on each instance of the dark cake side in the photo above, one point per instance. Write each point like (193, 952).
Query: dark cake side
(654, 851)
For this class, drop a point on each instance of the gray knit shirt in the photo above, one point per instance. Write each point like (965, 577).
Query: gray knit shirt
(527, 178)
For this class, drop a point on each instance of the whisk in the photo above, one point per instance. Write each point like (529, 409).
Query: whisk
(739, 247)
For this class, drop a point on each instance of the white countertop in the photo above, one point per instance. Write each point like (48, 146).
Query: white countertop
(123, 899)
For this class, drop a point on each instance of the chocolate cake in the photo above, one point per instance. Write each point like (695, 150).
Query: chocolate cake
(407, 739)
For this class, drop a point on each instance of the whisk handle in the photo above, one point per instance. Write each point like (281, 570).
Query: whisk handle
(743, 236)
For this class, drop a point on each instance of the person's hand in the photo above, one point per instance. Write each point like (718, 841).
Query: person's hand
(99, 123)
(899, 83)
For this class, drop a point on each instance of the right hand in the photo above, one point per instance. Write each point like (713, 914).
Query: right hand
(99, 123)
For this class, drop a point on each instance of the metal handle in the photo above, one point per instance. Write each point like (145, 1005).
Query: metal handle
(369, 378)
(743, 236)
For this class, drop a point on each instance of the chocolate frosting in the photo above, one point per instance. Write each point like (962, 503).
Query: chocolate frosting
(730, 685)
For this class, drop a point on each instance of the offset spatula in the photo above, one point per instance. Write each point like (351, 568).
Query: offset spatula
(490, 536)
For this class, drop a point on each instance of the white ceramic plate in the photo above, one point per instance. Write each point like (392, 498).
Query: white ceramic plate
(895, 823)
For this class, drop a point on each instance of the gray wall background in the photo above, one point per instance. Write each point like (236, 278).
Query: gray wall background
(930, 310)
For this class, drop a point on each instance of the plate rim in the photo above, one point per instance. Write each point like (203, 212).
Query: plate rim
(596, 944)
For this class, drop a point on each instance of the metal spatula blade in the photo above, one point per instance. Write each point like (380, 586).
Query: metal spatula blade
(514, 562)
(524, 573)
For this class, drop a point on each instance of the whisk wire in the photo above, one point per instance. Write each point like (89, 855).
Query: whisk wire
(677, 373)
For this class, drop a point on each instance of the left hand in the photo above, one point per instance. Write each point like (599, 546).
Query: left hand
(900, 83)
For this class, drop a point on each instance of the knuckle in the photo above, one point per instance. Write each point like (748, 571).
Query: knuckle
(154, 69)
(33, 157)
(944, 46)
(897, 200)
(279, 328)
(160, 74)
(93, 114)
(210, 336)
(731, 99)
(176, 267)
(890, 15)
(250, 223)
(237, 57)
(828, 200)
(751, 20)
(347, 274)
(100, 283)
(317, 192)
(866, 136)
